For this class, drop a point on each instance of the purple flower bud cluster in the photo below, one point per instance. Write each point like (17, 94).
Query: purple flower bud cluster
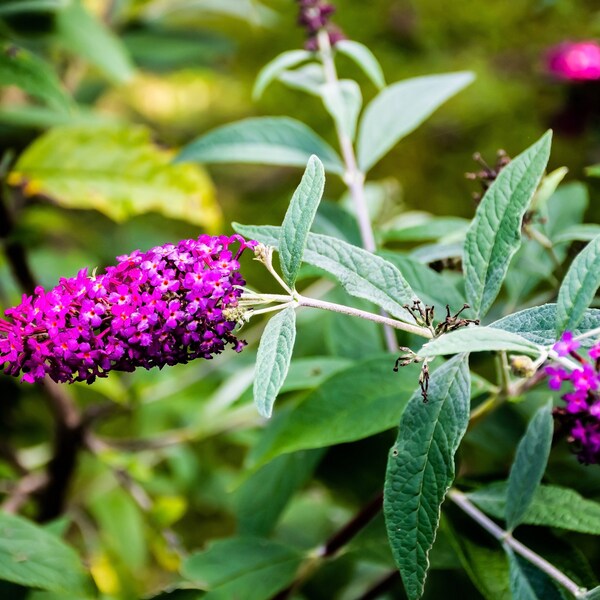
(155, 308)
(581, 415)
(314, 16)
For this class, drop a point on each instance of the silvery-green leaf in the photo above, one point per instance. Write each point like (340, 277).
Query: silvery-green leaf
(538, 324)
(578, 287)
(364, 58)
(262, 140)
(495, 233)
(578, 233)
(273, 359)
(298, 219)
(478, 339)
(308, 78)
(399, 109)
(275, 67)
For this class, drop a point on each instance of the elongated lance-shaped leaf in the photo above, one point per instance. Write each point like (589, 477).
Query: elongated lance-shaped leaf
(421, 469)
(361, 273)
(478, 339)
(538, 324)
(262, 140)
(578, 287)
(495, 233)
(273, 359)
(364, 58)
(528, 468)
(399, 109)
(30, 73)
(272, 69)
(593, 594)
(298, 219)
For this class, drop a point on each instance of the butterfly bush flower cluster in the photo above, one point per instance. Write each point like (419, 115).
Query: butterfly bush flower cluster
(162, 307)
(581, 414)
(575, 61)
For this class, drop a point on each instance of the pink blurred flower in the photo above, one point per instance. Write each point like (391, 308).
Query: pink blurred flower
(575, 61)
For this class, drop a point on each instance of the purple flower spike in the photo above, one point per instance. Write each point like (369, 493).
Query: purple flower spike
(580, 417)
(162, 307)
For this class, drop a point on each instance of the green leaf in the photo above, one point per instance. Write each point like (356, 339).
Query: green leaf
(538, 324)
(520, 586)
(116, 170)
(551, 506)
(273, 69)
(431, 287)
(298, 219)
(579, 233)
(33, 557)
(249, 11)
(399, 109)
(593, 171)
(22, 6)
(251, 568)
(425, 229)
(273, 359)
(30, 73)
(478, 339)
(83, 34)
(311, 372)
(529, 465)
(261, 499)
(486, 566)
(364, 58)
(578, 287)
(343, 101)
(307, 78)
(365, 399)
(361, 273)
(421, 469)
(593, 594)
(262, 140)
(495, 233)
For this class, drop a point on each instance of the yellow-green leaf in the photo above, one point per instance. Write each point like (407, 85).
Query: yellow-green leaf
(116, 170)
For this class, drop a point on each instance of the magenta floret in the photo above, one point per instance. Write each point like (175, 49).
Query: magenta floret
(580, 417)
(151, 309)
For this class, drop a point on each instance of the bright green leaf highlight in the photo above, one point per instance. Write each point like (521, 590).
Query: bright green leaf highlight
(242, 567)
(528, 468)
(360, 401)
(273, 359)
(551, 506)
(273, 68)
(478, 339)
(538, 324)
(578, 287)
(85, 35)
(262, 140)
(421, 469)
(30, 73)
(33, 557)
(116, 170)
(298, 219)
(495, 233)
(361, 273)
(399, 109)
(364, 58)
